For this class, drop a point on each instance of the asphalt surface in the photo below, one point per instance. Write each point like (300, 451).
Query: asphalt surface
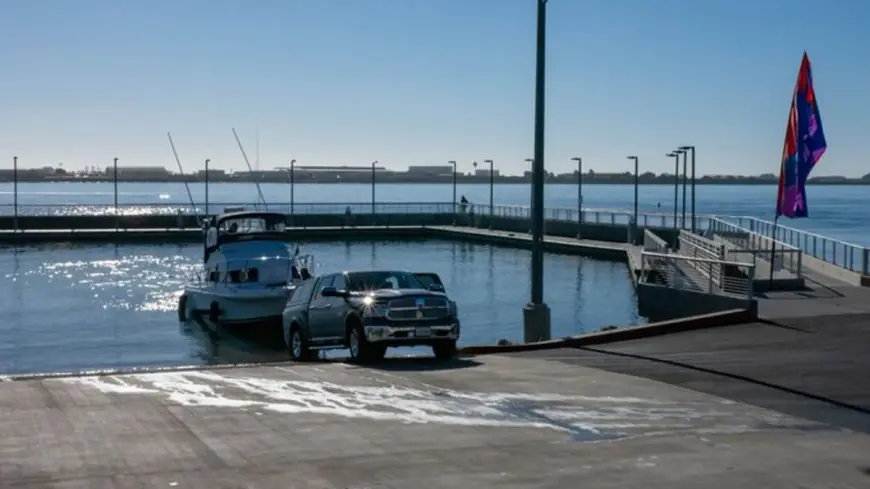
(813, 367)
(497, 421)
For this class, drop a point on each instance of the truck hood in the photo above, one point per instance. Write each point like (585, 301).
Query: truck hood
(393, 293)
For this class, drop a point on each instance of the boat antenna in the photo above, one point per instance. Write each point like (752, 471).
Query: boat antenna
(186, 186)
(248, 162)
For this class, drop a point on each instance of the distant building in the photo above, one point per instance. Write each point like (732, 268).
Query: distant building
(139, 172)
(431, 170)
(212, 173)
(484, 172)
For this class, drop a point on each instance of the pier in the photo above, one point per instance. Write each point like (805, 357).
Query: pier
(727, 263)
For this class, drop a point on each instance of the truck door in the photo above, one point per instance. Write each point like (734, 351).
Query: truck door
(319, 310)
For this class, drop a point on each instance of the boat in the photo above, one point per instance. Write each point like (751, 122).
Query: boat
(249, 270)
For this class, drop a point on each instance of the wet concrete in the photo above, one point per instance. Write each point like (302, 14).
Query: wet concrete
(500, 421)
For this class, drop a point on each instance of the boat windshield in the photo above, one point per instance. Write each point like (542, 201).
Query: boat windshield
(362, 281)
(249, 224)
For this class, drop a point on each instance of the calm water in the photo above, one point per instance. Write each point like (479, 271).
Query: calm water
(838, 212)
(75, 308)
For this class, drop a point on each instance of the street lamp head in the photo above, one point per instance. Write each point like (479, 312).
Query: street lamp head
(529, 160)
(671, 155)
(687, 148)
(488, 161)
(576, 158)
(452, 162)
(679, 151)
(631, 157)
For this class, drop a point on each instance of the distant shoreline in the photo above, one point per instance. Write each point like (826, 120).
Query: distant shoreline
(441, 181)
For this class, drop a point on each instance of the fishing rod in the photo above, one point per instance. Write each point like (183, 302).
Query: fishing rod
(248, 162)
(186, 186)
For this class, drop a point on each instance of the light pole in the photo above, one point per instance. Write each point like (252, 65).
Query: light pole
(206, 186)
(531, 161)
(579, 193)
(115, 182)
(373, 191)
(293, 192)
(636, 178)
(685, 161)
(676, 158)
(15, 192)
(491, 183)
(453, 162)
(692, 149)
(536, 314)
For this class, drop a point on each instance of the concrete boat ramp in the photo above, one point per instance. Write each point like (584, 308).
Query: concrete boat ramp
(542, 420)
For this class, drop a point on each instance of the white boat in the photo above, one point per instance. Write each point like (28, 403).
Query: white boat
(249, 270)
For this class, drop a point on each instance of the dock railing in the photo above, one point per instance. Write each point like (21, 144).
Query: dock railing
(694, 246)
(834, 251)
(654, 243)
(777, 254)
(669, 270)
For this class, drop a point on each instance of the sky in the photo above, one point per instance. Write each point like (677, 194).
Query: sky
(421, 82)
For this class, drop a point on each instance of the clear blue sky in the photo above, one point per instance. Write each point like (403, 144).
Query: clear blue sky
(406, 82)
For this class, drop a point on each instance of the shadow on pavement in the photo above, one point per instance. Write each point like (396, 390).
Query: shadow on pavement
(420, 364)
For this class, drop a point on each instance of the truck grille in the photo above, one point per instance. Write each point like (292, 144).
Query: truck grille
(417, 308)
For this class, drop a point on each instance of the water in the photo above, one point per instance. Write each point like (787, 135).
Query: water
(835, 211)
(76, 308)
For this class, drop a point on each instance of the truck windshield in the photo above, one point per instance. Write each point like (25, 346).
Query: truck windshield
(361, 281)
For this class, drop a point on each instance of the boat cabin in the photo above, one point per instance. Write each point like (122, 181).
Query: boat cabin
(235, 227)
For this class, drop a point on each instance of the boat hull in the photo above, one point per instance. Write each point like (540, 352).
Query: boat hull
(239, 306)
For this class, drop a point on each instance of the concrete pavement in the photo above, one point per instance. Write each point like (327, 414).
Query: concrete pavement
(498, 421)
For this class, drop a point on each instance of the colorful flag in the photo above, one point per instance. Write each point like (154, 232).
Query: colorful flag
(803, 148)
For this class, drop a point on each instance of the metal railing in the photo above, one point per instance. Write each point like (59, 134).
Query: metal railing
(589, 215)
(217, 208)
(760, 248)
(652, 242)
(834, 251)
(694, 246)
(678, 272)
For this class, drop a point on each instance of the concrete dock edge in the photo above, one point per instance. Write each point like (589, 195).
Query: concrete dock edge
(703, 321)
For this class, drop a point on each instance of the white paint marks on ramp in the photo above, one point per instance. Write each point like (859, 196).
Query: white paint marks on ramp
(584, 418)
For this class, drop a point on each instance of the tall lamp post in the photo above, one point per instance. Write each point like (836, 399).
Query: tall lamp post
(579, 192)
(636, 182)
(676, 158)
(15, 193)
(374, 163)
(206, 186)
(491, 186)
(692, 149)
(115, 182)
(531, 161)
(685, 161)
(536, 314)
(293, 192)
(453, 162)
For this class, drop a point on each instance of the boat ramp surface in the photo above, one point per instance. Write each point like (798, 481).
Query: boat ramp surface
(620, 417)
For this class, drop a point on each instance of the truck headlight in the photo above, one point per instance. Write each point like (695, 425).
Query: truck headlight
(371, 309)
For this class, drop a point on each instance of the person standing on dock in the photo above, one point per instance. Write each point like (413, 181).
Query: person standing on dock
(463, 204)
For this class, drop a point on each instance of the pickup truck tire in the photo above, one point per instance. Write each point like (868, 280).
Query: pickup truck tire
(444, 351)
(182, 308)
(297, 345)
(361, 350)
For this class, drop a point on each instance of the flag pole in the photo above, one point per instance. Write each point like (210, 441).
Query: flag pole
(780, 190)
(773, 249)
